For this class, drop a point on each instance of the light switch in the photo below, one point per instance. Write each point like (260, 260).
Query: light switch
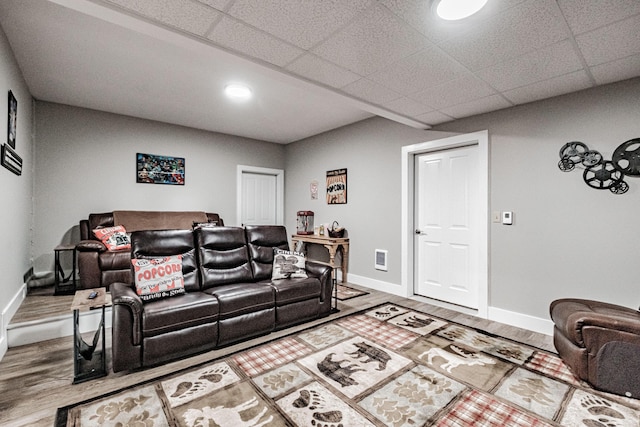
(507, 218)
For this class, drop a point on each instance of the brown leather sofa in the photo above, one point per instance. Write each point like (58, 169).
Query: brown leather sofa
(99, 267)
(600, 342)
(229, 295)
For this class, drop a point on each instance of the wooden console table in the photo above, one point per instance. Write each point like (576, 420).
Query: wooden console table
(333, 244)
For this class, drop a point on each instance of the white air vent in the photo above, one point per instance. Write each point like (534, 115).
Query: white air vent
(381, 259)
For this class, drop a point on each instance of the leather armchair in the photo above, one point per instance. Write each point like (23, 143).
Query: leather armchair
(600, 342)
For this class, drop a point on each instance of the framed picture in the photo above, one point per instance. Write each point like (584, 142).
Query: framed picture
(11, 160)
(337, 187)
(153, 169)
(13, 117)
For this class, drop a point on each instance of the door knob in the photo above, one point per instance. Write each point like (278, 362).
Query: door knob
(418, 231)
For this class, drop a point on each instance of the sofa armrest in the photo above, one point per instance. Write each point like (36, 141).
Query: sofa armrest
(572, 315)
(123, 295)
(90, 246)
(323, 273)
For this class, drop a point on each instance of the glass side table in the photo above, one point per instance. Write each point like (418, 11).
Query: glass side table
(64, 285)
(89, 359)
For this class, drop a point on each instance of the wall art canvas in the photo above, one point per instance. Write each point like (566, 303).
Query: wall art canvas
(154, 169)
(13, 118)
(337, 187)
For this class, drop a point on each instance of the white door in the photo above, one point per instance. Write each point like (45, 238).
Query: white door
(447, 224)
(260, 196)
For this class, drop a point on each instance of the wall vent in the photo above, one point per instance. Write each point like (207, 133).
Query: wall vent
(381, 260)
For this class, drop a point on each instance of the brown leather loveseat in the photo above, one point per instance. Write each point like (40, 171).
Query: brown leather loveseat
(230, 295)
(600, 342)
(99, 267)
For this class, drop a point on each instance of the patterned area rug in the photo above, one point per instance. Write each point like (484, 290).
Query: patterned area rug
(388, 366)
(345, 292)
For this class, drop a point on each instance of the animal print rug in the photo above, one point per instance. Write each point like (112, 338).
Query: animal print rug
(387, 366)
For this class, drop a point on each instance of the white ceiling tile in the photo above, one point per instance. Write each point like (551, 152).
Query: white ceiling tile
(587, 15)
(478, 106)
(454, 92)
(255, 43)
(420, 71)
(434, 118)
(317, 69)
(551, 61)
(183, 14)
(419, 14)
(370, 91)
(217, 4)
(301, 22)
(557, 86)
(407, 107)
(373, 41)
(614, 71)
(612, 42)
(524, 28)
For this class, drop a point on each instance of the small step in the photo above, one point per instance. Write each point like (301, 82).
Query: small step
(32, 331)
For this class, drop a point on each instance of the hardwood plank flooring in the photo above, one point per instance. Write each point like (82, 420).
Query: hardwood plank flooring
(36, 379)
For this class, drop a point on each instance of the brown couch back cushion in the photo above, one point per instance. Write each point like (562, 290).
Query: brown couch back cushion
(223, 256)
(261, 241)
(162, 243)
(155, 220)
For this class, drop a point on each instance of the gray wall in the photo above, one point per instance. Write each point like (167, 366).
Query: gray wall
(370, 150)
(15, 191)
(568, 240)
(85, 162)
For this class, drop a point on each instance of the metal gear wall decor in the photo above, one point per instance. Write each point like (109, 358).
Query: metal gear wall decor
(599, 173)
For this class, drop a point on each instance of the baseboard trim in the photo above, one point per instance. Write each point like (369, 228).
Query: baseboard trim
(512, 318)
(376, 285)
(7, 314)
(524, 321)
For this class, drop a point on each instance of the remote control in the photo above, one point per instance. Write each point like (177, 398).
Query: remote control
(92, 295)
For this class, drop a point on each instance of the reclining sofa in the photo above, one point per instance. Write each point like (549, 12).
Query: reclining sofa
(230, 295)
(99, 267)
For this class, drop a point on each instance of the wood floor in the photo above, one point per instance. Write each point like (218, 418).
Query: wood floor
(36, 379)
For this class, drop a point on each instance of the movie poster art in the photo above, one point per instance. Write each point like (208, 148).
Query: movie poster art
(154, 169)
(337, 187)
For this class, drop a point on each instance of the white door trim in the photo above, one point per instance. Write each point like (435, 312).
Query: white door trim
(278, 173)
(407, 219)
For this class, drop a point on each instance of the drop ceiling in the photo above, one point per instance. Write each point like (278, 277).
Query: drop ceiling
(315, 65)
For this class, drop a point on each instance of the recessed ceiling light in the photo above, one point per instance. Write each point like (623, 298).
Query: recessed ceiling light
(453, 10)
(238, 91)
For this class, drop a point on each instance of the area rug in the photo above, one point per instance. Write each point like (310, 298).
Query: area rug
(386, 366)
(345, 292)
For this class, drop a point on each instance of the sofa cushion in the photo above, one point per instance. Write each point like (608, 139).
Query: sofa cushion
(158, 277)
(241, 298)
(261, 240)
(118, 260)
(158, 220)
(174, 314)
(288, 264)
(113, 238)
(161, 243)
(223, 256)
(288, 291)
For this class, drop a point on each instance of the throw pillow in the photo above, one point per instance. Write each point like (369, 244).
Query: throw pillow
(210, 224)
(114, 238)
(158, 277)
(287, 264)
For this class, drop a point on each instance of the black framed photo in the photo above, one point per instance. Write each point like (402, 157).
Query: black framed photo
(154, 169)
(13, 117)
